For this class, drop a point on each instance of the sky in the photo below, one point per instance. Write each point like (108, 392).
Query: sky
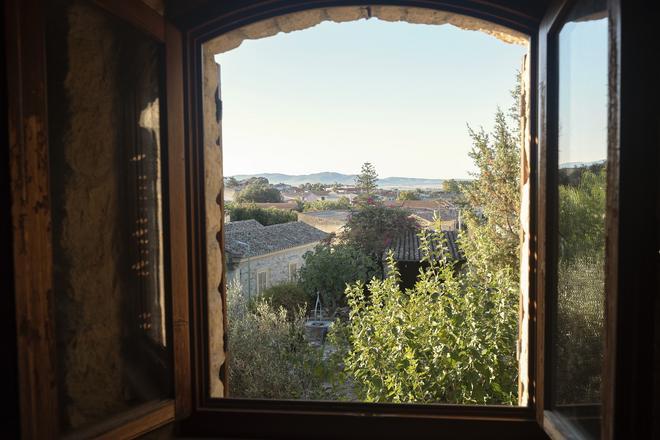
(583, 91)
(331, 97)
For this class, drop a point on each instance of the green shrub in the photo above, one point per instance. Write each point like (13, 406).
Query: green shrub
(265, 216)
(268, 356)
(290, 296)
(328, 269)
(328, 205)
(450, 339)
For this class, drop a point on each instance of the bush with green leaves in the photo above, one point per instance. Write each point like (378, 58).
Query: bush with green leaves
(268, 356)
(259, 192)
(409, 195)
(290, 296)
(328, 269)
(343, 203)
(451, 338)
(265, 216)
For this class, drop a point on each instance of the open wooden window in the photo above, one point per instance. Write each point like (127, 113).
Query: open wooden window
(578, 190)
(186, 199)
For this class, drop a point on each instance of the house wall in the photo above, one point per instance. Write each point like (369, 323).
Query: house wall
(276, 264)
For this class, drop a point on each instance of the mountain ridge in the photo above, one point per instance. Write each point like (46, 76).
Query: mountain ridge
(329, 177)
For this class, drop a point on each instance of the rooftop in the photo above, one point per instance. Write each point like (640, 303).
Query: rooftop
(249, 238)
(407, 246)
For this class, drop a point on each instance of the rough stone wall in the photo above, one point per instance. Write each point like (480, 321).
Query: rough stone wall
(277, 266)
(213, 135)
(86, 68)
(525, 236)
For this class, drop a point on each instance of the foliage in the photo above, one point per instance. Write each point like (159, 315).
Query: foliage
(313, 186)
(582, 216)
(231, 182)
(451, 186)
(343, 203)
(265, 216)
(259, 192)
(366, 181)
(290, 296)
(408, 195)
(373, 228)
(328, 269)
(268, 354)
(579, 331)
(493, 218)
(580, 286)
(450, 339)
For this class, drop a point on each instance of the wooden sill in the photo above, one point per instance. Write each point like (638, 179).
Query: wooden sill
(130, 424)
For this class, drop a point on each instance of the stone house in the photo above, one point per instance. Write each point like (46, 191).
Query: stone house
(262, 256)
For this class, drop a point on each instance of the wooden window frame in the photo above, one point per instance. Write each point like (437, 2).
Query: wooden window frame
(251, 417)
(555, 424)
(31, 215)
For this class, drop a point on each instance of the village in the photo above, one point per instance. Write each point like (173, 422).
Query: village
(259, 256)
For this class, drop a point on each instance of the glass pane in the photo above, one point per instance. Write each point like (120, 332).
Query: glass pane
(582, 142)
(105, 142)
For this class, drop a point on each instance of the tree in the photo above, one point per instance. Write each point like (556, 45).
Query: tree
(451, 186)
(265, 216)
(493, 216)
(259, 192)
(231, 182)
(373, 228)
(328, 270)
(366, 180)
(408, 195)
(343, 203)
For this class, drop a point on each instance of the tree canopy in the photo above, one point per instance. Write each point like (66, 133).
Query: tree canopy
(259, 192)
(366, 181)
(265, 216)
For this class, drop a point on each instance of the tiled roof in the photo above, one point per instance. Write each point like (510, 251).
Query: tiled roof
(420, 204)
(407, 246)
(249, 238)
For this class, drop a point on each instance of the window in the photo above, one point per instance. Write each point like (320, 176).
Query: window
(293, 271)
(580, 161)
(262, 281)
(244, 146)
(630, 249)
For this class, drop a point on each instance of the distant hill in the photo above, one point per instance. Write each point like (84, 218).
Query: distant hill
(566, 165)
(328, 178)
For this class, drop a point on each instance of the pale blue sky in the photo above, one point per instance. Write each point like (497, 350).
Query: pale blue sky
(334, 96)
(583, 91)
